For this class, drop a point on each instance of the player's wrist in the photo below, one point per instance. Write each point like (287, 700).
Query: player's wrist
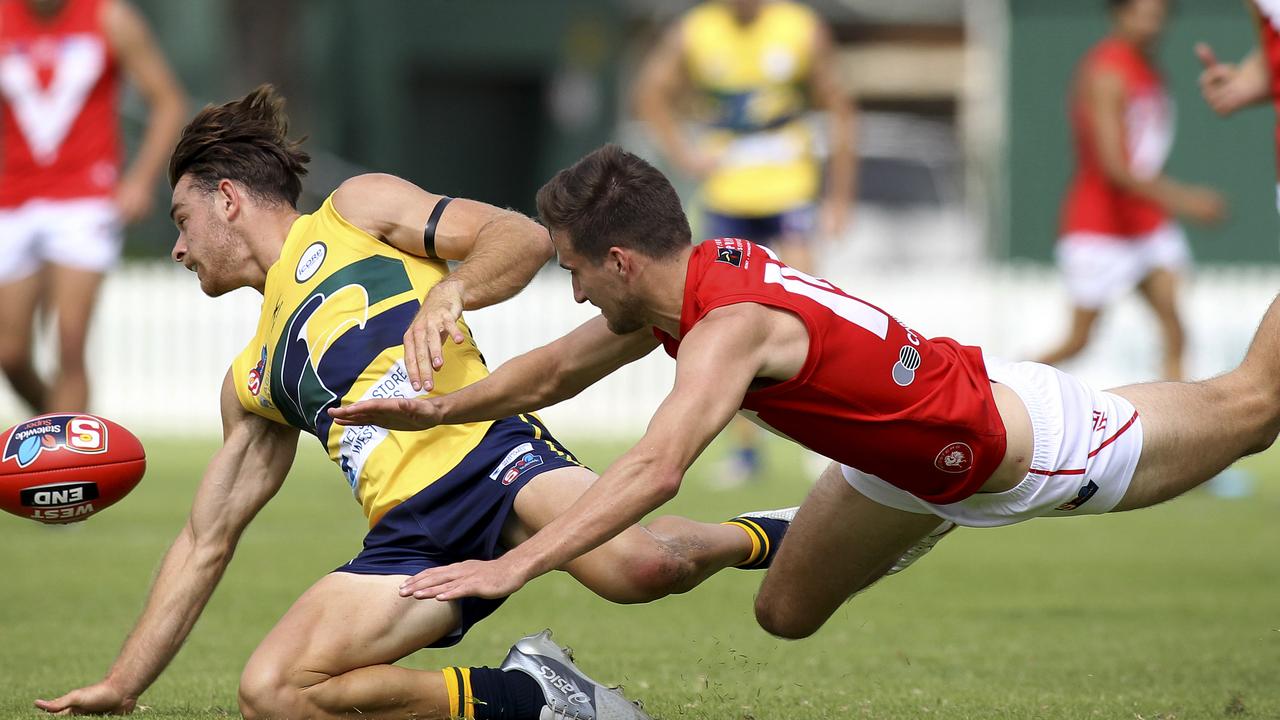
(125, 688)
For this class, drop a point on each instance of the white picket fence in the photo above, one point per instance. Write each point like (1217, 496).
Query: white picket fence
(160, 348)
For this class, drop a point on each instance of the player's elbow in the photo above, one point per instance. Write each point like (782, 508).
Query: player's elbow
(666, 483)
(540, 247)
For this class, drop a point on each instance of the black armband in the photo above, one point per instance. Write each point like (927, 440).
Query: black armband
(429, 233)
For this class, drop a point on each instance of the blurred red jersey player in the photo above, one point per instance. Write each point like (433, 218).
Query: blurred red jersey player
(62, 194)
(1117, 232)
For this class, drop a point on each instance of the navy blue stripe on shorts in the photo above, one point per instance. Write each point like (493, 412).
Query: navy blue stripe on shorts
(461, 515)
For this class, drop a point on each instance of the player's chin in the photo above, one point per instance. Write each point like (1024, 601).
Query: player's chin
(622, 325)
(212, 288)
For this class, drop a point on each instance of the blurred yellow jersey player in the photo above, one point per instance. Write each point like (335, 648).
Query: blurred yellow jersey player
(756, 67)
(334, 311)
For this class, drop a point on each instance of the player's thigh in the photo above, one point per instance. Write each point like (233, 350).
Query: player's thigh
(839, 542)
(343, 622)
(1193, 431)
(547, 496)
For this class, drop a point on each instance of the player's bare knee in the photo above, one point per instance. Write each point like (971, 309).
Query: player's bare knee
(785, 620)
(265, 693)
(653, 575)
(1258, 406)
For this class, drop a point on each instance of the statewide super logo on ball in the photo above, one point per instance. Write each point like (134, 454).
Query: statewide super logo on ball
(65, 467)
(77, 433)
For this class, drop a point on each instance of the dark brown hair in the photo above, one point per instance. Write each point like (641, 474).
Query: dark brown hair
(245, 140)
(613, 198)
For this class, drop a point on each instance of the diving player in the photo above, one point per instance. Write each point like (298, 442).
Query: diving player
(925, 432)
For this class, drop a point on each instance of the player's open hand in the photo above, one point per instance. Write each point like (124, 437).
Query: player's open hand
(1227, 87)
(99, 699)
(424, 340)
(470, 578)
(390, 413)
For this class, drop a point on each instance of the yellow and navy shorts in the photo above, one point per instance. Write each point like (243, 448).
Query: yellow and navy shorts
(461, 515)
(797, 223)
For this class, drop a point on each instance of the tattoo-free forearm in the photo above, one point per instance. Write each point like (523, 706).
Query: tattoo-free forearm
(188, 574)
(509, 250)
(522, 384)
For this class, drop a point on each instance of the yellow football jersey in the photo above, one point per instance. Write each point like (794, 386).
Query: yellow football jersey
(752, 78)
(334, 312)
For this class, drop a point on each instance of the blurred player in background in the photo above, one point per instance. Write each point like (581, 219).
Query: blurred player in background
(1117, 230)
(1255, 79)
(340, 286)
(63, 196)
(757, 68)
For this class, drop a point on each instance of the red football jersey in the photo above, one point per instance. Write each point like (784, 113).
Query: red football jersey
(58, 83)
(873, 394)
(1269, 27)
(1093, 204)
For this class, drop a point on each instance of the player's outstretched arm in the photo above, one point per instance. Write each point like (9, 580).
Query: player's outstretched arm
(145, 66)
(1228, 88)
(499, 253)
(244, 474)
(717, 361)
(1105, 99)
(529, 382)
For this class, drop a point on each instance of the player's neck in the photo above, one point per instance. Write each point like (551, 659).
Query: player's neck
(266, 241)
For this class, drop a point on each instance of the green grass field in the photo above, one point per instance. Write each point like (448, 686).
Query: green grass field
(1166, 613)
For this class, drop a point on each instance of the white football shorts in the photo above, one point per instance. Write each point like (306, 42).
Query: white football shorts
(84, 233)
(1098, 269)
(1086, 445)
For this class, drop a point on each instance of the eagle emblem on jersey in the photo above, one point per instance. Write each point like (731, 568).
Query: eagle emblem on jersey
(954, 458)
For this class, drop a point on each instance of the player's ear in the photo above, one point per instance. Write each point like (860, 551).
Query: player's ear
(228, 199)
(618, 260)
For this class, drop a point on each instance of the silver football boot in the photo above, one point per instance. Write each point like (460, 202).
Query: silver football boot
(924, 545)
(569, 693)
